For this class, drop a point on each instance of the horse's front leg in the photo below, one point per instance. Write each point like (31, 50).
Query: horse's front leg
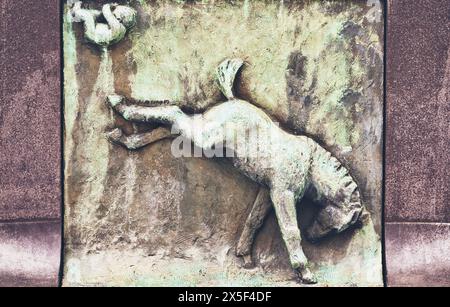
(284, 202)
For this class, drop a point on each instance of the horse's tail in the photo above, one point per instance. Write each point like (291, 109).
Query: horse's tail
(226, 74)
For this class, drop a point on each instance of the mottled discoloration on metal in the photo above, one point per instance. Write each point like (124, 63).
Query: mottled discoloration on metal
(290, 166)
(156, 210)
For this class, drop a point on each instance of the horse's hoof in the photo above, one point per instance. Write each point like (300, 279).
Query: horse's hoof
(114, 135)
(307, 277)
(248, 263)
(114, 100)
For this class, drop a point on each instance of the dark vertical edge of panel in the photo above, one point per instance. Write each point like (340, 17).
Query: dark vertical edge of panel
(383, 198)
(62, 129)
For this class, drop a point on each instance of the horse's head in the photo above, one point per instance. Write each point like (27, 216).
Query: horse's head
(335, 218)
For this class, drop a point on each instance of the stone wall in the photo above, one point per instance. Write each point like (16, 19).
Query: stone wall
(417, 151)
(30, 143)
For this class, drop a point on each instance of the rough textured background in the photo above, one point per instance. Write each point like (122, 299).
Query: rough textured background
(417, 143)
(417, 43)
(30, 190)
(145, 218)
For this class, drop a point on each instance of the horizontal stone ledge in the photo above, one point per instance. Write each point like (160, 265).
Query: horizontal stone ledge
(417, 254)
(30, 253)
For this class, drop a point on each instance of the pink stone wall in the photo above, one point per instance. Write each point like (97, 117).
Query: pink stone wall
(417, 203)
(30, 158)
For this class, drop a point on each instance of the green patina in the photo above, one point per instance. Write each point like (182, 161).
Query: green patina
(175, 57)
(70, 84)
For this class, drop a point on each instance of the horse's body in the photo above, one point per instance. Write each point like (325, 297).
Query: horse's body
(289, 166)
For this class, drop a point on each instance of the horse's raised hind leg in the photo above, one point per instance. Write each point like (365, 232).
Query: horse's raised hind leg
(284, 202)
(162, 114)
(254, 221)
(139, 140)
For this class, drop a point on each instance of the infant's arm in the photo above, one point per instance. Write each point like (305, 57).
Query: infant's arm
(88, 17)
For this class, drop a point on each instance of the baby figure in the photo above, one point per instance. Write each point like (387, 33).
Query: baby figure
(119, 19)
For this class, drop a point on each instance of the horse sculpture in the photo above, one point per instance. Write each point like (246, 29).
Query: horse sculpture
(287, 166)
